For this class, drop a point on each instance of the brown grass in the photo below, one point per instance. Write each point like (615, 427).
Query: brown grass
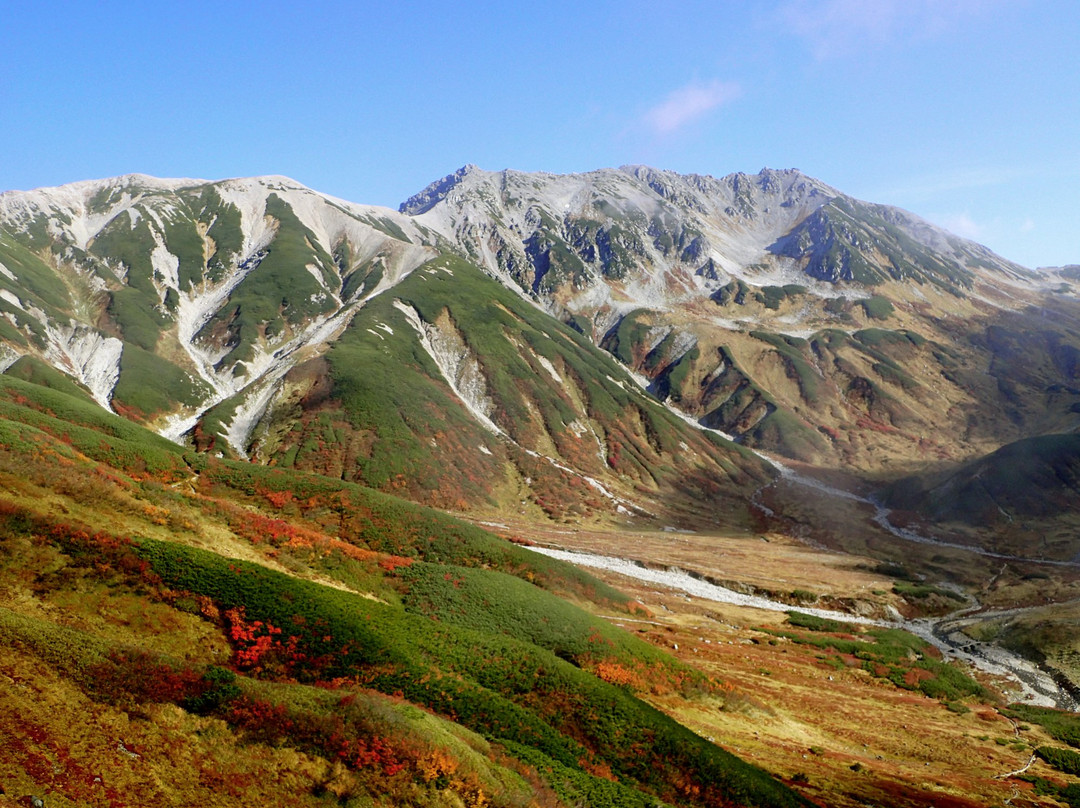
(856, 739)
(69, 750)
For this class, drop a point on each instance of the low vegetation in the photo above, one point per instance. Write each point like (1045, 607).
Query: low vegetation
(902, 658)
(448, 671)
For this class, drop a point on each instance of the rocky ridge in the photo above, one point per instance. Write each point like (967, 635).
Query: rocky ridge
(770, 307)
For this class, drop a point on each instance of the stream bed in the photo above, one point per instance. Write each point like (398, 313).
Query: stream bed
(1032, 684)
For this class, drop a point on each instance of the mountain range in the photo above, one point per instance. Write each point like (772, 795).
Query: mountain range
(260, 319)
(239, 421)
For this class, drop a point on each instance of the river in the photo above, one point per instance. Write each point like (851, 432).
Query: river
(1032, 684)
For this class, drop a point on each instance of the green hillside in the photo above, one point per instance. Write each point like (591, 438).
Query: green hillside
(301, 636)
(380, 411)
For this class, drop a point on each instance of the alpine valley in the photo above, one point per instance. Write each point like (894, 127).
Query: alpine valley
(288, 487)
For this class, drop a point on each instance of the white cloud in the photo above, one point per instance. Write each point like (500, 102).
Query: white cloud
(840, 27)
(688, 104)
(962, 225)
(1027, 225)
(929, 186)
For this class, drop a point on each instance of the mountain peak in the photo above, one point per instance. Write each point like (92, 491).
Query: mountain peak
(85, 189)
(437, 191)
(239, 281)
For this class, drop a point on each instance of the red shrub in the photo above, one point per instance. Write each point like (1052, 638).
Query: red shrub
(139, 677)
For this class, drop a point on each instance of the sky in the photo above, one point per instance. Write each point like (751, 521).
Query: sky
(965, 112)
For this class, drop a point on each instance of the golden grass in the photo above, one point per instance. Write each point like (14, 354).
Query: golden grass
(856, 739)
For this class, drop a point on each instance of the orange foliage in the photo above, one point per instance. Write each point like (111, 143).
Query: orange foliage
(616, 674)
(916, 675)
(392, 562)
(435, 764)
(258, 645)
(257, 528)
(129, 412)
(279, 499)
(598, 769)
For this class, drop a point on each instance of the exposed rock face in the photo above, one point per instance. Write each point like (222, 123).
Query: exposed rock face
(742, 301)
(768, 306)
(568, 238)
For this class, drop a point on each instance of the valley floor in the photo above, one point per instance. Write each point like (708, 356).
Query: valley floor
(819, 721)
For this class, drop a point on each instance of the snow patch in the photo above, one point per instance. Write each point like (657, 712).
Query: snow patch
(456, 363)
(247, 415)
(674, 578)
(550, 368)
(8, 357)
(250, 199)
(316, 273)
(88, 355)
(166, 267)
(1035, 686)
(11, 298)
(577, 428)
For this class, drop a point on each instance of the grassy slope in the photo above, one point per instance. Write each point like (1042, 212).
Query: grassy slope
(388, 418)
(174, 642)
(1021, 499)
(1036, 477)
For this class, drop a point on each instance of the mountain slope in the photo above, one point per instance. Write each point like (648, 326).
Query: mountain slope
(197, 617)
(243, 601)
(217, 280)
(543, 410)
(258, 318)
(779, 310)
(1022, 496)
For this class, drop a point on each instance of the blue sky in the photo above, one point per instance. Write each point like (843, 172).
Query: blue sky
(966, 112)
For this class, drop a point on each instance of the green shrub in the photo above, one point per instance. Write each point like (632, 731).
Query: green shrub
(813, 623)
(1059, 724)
(1063, 759)
(575, 787)
(498, 686)
(391, 525)
(34, 371)
(497, 603)
(877, 307)
(149, 385)
(890, 654)
(88, 428)
(923, 591)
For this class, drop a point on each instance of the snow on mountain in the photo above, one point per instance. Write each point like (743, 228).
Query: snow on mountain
(88, 356)
(168, 262)
(620, 239)
(668, 224)
(71, 209)
(741, 298)
(772, 306)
